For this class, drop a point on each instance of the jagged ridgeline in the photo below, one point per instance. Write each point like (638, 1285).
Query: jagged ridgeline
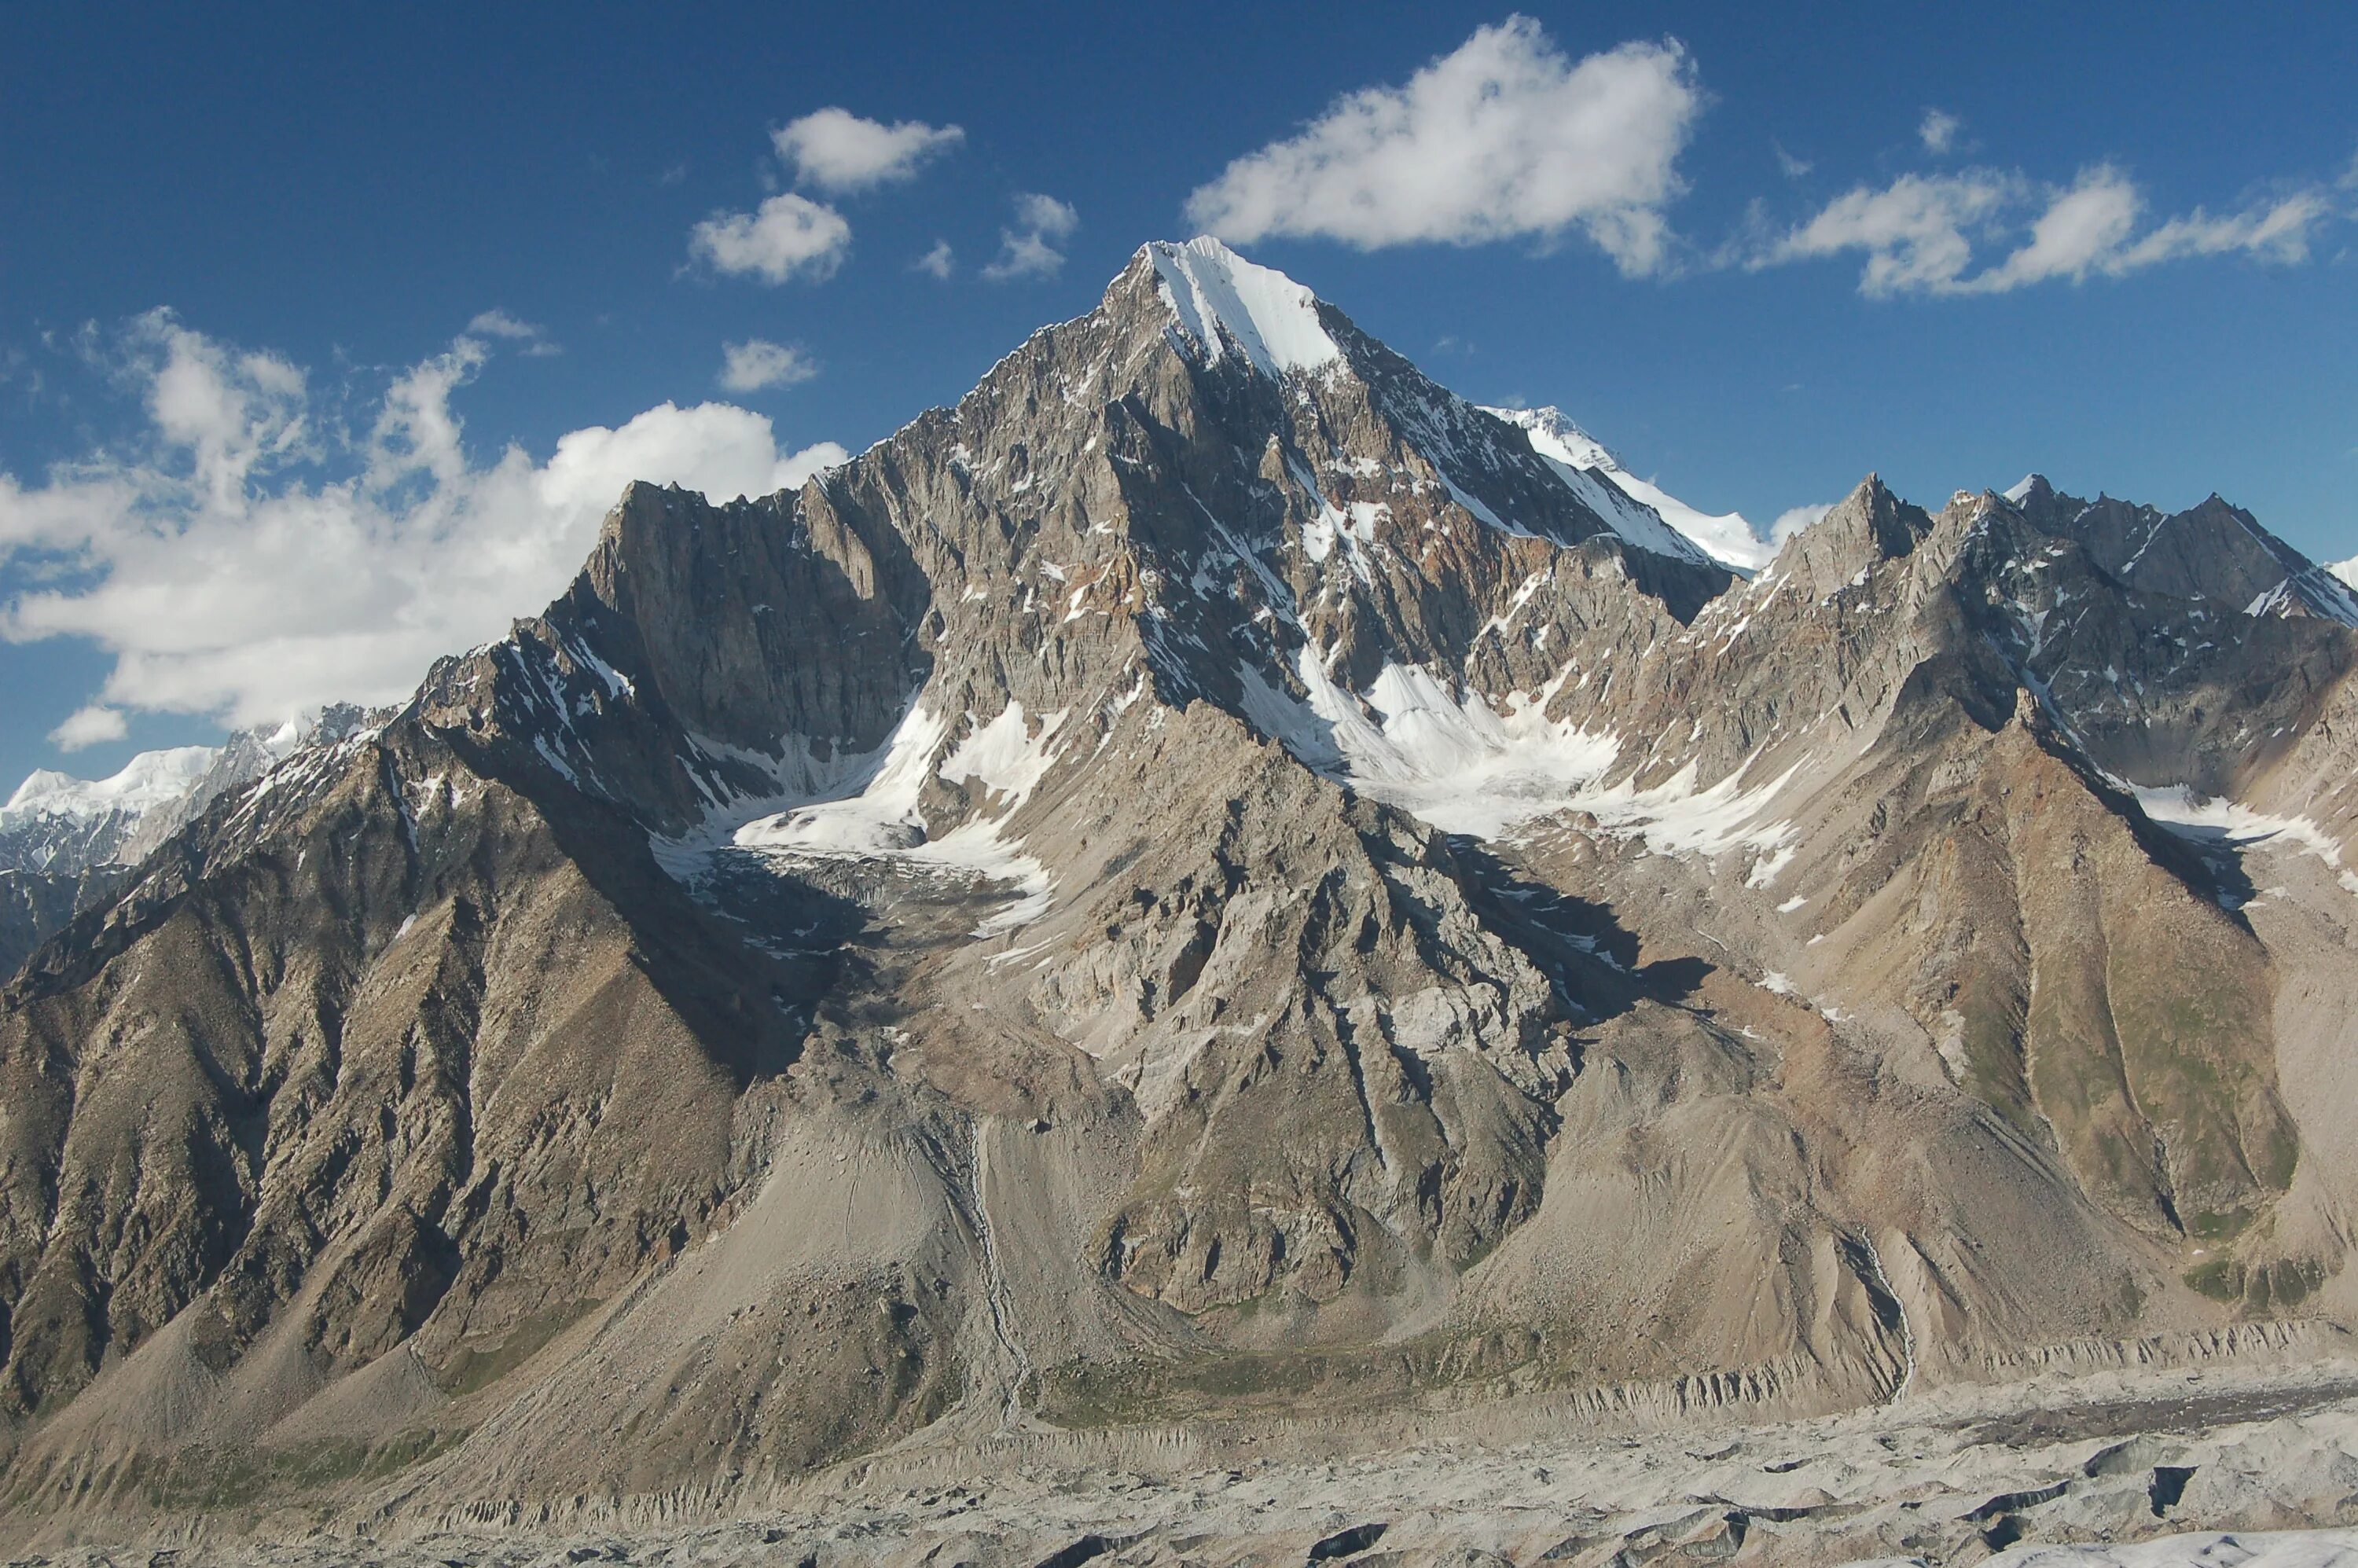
(1213, 879)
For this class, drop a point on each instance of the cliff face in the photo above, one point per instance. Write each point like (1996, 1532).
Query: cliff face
(1209, 878)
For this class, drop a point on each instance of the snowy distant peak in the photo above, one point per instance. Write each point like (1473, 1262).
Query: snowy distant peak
(2346, 571)
(1727, 538)
(1636, 522)
(62, 825)
(148, 779)
(2025, 488)
(1226, 304)
(1553, 435)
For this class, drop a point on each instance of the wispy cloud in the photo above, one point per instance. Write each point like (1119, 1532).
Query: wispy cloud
(1028, 249)
(835, 150)
(259, 547)
(1938, 130)
(92, 724)
(1929, 234)
(1506, 137)
(939, 261)
(1913, 230)
(1788, 166)
(757, 363)
(530, 340)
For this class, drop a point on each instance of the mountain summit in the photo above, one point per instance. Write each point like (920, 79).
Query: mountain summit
(1213, 879)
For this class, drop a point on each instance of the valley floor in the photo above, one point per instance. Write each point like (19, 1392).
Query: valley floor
(2163, 1457)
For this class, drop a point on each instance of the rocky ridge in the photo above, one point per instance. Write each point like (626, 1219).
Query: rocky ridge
(66, 843)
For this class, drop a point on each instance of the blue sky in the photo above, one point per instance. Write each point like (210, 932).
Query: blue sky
(2112, 242)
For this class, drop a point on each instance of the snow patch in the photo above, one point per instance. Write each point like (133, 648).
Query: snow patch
(1467, 768)
(1004, 756)
(880, 819)
(1224, 302)
(2209, 821)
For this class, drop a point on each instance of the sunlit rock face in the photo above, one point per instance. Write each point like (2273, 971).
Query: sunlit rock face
(1212, 877)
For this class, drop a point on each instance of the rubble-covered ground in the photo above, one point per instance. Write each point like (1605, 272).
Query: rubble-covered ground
(2163, 1460)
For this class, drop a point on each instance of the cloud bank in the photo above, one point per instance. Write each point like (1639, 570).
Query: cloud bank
(252, 553)
(1506, 137)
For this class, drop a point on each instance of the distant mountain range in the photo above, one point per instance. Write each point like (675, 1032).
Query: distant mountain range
(1214, 881)
(66, 842)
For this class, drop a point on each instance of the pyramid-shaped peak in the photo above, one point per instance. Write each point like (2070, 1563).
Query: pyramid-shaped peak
(1228, 305)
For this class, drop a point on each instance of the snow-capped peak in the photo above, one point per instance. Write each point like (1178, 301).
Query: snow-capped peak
(2019, 491)
(1225, 303)
(1553, 435)
(2346, 571)
(149, 780)
(1727, 538)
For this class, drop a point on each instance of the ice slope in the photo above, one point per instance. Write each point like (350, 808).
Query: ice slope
(1226, 304)
(1728, 539)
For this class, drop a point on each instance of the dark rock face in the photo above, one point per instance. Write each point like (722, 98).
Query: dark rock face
(34, 906)
(1205, 877)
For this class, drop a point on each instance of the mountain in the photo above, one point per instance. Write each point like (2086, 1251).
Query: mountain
(1212, 882)
(2213, 550)
(61, 824)
(1727, 538)
(66, 842)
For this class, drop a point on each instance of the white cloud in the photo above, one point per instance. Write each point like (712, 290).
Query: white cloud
(1504, 138)
(1792, 167)
(789, 236)
(941, 261)
(1939, 131)
(530, 340)
(2278, 230)
(1029, 250)
(500, 324)
(1794, 519)
(1045, 214)
(757, 362)
(1924, 233)
(836, 150)
(89, 725)
(2083, 228)
(1913, 230)
(229, 574)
